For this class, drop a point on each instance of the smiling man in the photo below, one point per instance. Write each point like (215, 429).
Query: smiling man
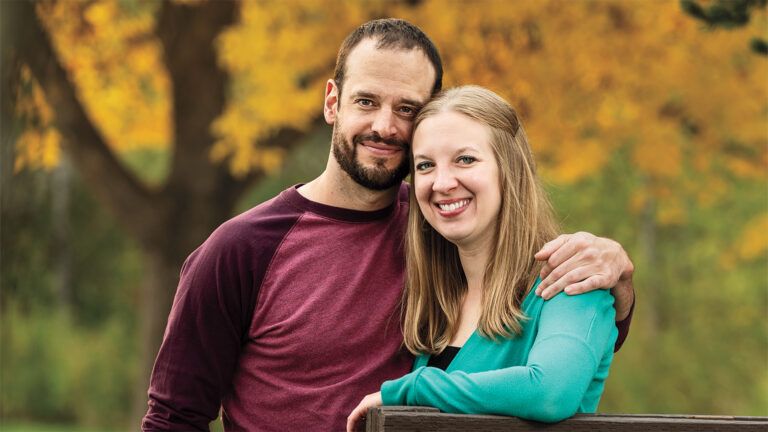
(288, 313)
(378, 116)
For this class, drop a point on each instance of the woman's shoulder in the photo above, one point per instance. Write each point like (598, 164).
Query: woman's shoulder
(584, 308)
(589, 317)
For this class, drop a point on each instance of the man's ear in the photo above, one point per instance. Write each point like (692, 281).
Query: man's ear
(331, 105)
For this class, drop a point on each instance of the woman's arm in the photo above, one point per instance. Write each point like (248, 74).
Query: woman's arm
(575, 334)
(582, 262)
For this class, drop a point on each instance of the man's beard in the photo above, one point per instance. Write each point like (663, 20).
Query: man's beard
(378, 177)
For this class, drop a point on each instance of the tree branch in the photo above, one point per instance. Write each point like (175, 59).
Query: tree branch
(112, 182)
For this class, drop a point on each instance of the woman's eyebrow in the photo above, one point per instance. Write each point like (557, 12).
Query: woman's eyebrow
(465, 149)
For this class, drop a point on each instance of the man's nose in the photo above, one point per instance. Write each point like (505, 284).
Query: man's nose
(445, 180)
(384, 123)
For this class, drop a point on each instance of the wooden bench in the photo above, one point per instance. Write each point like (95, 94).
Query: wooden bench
(402, 419)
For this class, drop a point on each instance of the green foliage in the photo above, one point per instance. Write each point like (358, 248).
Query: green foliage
(40, 427)
(55, 370)
(305, 163)
(68, 354)
(150, 164)
(698, 341)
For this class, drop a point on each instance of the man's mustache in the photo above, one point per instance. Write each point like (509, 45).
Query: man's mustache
(374, 137)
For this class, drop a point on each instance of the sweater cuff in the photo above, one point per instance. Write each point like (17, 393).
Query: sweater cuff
(396, 392)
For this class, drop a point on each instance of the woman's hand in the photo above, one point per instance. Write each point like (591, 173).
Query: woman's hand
(358, 414)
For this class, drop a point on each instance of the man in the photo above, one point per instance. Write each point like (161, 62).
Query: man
(287, 315)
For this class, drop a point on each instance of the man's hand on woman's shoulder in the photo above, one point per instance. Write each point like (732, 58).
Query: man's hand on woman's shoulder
(582, 262)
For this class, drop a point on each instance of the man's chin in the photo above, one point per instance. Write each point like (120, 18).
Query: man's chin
(377, 178)
(390, 162)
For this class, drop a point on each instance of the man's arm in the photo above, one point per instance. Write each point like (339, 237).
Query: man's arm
(203, 338)
(581, 262)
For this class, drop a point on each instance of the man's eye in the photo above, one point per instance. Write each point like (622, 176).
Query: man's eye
(408, 111)
(466, 160)
(421, 166)
(364, 102)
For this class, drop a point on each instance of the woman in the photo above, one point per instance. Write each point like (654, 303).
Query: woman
(485, 343)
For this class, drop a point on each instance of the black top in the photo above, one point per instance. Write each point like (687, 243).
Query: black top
(443, 359)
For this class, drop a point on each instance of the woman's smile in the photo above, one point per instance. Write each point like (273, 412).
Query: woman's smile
(452, 208)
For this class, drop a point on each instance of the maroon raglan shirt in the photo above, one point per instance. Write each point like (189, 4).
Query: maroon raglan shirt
(285, 318)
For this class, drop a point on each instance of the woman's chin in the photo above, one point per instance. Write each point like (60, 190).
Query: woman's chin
(457, 238)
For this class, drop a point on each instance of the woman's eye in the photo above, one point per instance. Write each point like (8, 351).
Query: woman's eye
(466, 160)
(421, 166)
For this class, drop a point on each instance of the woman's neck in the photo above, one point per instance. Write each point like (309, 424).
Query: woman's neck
(473, 262)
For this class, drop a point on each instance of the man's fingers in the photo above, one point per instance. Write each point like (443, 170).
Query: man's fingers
(559, 250)
(574, 276)
(549, 247)
(556, 273)
(587, 285)
(579, 245)
(546, 269)
(568, 250)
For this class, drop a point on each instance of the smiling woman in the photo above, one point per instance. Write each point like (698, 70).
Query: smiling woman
(485, 342)
(456, 178)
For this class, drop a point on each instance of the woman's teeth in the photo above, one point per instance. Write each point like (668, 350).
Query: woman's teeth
(453, 206)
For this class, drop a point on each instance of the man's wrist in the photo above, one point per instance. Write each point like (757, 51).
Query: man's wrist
(624, 297)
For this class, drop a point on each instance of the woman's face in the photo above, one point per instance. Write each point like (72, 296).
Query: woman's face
(456, 178)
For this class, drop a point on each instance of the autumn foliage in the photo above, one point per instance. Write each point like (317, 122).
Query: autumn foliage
(590, 78)
(638, 89)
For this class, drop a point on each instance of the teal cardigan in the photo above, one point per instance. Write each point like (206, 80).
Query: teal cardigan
(555, 368)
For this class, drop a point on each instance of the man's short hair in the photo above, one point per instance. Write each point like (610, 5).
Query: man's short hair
(390, 33)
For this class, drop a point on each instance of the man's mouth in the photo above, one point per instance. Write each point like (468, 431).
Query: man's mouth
(382, 147)
(376, 142)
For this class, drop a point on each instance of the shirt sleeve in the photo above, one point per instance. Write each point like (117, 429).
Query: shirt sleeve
(207, 325)
(575, 332)
(623, 327)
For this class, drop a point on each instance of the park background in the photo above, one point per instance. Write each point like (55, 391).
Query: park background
(131, 129)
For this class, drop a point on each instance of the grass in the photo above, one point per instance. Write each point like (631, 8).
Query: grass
(42, 427)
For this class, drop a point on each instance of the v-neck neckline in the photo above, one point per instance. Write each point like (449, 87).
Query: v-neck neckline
(475, 335)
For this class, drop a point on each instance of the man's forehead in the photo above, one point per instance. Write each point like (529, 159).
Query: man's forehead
(373, 69)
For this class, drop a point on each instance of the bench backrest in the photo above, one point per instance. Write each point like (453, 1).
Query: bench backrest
(401, 419)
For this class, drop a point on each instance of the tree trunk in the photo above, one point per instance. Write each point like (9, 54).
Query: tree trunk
(170, 221)
(161, 276)
(61, 191)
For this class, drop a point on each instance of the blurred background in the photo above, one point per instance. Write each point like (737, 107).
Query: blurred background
(131, 129)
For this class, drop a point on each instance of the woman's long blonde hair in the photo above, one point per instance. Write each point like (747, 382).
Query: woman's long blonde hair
(435, 282)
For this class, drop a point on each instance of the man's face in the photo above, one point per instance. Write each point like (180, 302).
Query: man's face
(373, 119)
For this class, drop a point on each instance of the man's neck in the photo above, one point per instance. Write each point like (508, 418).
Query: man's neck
(339, 190)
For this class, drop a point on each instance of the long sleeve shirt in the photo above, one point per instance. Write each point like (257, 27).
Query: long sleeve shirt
(555, 368)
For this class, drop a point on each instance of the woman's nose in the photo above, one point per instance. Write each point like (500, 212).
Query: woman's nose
(445, 180)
